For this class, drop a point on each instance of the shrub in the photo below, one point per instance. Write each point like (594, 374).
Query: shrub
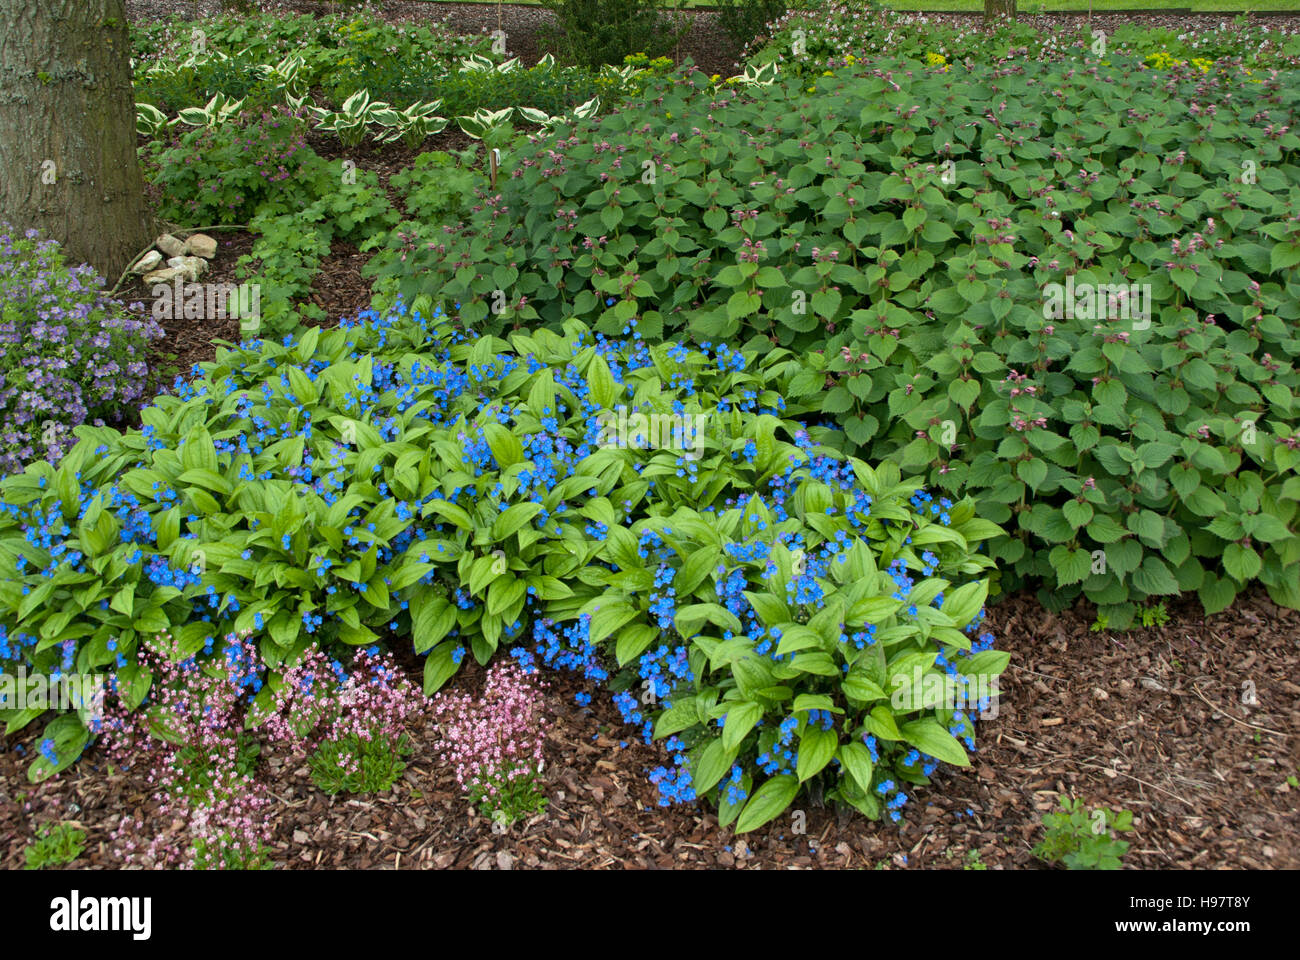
(743, 20)
(226, 172)
(595, 32)
(396, 476)
(68, 354)
(921, 261)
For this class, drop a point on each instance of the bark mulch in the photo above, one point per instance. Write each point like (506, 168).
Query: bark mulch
(1152, 721)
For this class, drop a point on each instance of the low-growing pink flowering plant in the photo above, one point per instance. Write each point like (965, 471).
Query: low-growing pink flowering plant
(353, 726)
(212, 812)
(495, 741)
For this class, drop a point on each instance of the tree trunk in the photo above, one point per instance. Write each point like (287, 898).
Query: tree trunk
(999, 8)
(68, 161)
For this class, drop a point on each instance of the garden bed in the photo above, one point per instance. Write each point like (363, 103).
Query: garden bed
(303, 483)
(1150, 723)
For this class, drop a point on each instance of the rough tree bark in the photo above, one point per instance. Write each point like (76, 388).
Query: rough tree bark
(68, 161)
(999, 8)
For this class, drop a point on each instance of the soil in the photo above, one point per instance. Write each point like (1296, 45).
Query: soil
(1152, 721)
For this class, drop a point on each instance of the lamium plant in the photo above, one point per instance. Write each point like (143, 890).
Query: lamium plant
(1085, 330)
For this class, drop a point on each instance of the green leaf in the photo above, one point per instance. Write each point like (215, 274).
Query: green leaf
(816, 747)
(742, 303)
(964, 602)
(768, 802)
(432, 618)
(713, 765)
(1032, 472)
(604, 390)
(928, 735)
(1241, 563)
(514, 517)
(856, 759)
(439, 667)
(505, 446)
(70, 739)
(741, 717)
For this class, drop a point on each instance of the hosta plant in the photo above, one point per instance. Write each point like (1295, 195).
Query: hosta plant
(413, 125)
(352, 118)
(149, 120)
(217, 110)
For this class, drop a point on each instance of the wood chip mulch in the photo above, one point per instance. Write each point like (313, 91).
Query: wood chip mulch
(1151, 721)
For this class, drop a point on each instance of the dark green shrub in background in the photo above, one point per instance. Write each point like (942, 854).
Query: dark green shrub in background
(743, 20)
(590, 33)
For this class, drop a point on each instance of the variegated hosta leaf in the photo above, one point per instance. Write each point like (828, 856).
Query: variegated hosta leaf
(508, 65)
(472, 126)
(474, 63)
(356, 104)
(587, 109)
(533, 115)
(546, 62)
(149, 119)
(193, 116)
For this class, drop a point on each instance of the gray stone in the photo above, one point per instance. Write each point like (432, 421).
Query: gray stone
(162, 276)
(201, 245)
(147, 263)
(170, 246)
(191, 268)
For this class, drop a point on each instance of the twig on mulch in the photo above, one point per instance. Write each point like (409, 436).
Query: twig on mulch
(1244, 723)
(1118, 773)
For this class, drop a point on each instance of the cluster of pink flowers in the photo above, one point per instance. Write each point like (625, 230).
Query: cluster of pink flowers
(319, 702)
(752, 251)
(188, 737)
(1020, 378)
(195, 771)
(496, 738)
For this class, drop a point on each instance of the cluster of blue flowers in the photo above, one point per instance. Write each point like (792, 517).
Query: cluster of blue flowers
(264, 431)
